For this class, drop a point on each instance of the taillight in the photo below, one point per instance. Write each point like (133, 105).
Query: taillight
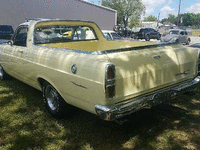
(110, 81)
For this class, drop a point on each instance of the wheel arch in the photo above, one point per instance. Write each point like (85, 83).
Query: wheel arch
(41, 81)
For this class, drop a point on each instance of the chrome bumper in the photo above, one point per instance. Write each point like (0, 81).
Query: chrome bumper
(119, 110)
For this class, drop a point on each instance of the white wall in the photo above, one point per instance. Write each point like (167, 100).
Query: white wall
(15, 12)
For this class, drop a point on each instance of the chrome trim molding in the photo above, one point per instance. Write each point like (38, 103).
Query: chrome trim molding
(116, 111)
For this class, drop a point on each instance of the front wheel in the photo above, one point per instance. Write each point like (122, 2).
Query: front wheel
(158, 38)
(54, 103)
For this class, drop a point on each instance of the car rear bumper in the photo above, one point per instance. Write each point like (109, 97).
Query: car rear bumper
(119, 110)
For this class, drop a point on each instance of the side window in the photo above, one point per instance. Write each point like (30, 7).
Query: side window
(152, 30)
(186, 33)
(182, 33)
(20, 36)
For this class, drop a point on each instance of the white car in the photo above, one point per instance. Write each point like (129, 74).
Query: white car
(111, 35)
(178, 36)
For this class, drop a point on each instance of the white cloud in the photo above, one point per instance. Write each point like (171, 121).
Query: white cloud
(193, 8)
(167, 10)
(151, 5)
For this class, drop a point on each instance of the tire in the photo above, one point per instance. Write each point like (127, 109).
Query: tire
(3, 74)
(147, 38)
(158, 38)
(188, 41)
(54, 103)
(177, 41)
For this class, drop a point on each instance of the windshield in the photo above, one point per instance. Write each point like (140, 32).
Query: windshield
(115, 36)
(174, 32)
(142, 30)
(6, 29)
(57, 34)
(107, 36)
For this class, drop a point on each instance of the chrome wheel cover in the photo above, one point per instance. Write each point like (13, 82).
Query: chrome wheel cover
(52, 97)
(1, 72)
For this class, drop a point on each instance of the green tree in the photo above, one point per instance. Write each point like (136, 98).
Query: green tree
(171, 18)
(150, 18)
(125, 9)
(186, 19)
(135, 20)
(190, 19)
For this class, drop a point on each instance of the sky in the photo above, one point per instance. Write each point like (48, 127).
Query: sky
(165, 7)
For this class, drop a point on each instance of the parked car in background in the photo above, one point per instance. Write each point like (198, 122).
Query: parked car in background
(122, 30)
(196, 45)
(176, 35)
(6, 31)
(111, 35)
(147, 34)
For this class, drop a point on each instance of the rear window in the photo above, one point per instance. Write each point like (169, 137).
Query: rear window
(142, 30)
(174, 32)
(62, 33)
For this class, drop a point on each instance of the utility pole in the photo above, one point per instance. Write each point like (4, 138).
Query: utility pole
(179, 13)
(158, 20)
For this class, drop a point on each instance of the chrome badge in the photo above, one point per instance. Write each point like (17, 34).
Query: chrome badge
(74, 69)
(157, 57)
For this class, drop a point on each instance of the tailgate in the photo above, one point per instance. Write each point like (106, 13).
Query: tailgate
(147, 69)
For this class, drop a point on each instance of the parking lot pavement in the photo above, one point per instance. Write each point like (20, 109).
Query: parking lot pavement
(3, 41)
(194, 39)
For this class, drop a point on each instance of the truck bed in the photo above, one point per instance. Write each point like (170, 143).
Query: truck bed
(96, 45)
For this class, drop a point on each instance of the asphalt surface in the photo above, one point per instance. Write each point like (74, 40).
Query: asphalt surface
(3, 41)
(194, 39)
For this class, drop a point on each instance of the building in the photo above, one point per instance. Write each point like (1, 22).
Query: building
(14, 12)
(150, 24)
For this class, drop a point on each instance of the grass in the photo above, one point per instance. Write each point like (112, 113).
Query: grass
(25, 124)
(196, 32)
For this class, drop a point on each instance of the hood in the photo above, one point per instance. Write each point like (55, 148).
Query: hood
(169, 38)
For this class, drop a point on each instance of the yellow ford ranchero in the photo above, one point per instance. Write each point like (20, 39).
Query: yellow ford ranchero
(73, 64)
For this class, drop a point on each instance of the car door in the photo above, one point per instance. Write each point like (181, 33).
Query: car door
(182, 37)
(186, 37)
(16, 50)
(153, 33)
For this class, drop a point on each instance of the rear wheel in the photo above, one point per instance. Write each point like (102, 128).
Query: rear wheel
(3, 74)
(188, 41)
(158, 38)
(54, 103)
(147, 38)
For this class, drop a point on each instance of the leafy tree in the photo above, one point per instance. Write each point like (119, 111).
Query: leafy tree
(150, 18)
(135, 20)
(171, 18)
(186, 19)
(190, 19)
(125, 9)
